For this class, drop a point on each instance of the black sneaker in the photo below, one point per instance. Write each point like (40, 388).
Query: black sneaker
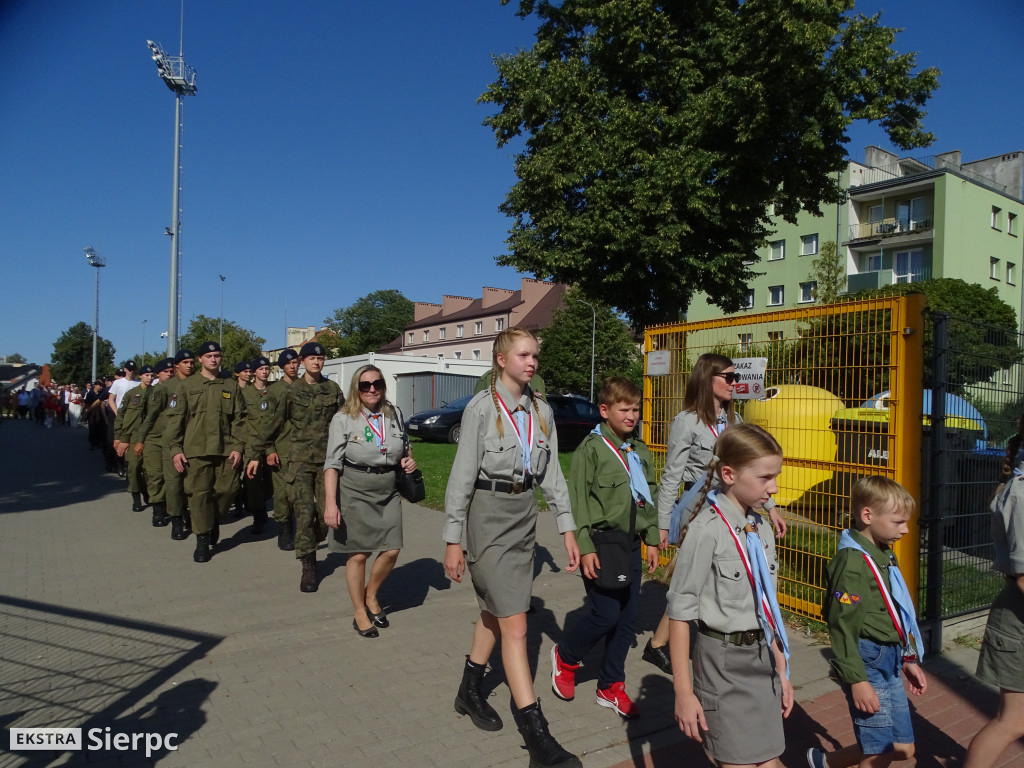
(659, 657)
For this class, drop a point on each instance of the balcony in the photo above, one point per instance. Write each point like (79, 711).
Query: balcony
(870, 281)
(890, 228)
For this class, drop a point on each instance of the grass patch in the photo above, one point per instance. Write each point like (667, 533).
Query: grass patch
(968, 641)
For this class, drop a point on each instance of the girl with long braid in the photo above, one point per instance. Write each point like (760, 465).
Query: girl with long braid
(508, 444)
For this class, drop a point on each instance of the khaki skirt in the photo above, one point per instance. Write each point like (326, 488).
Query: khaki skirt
(500, 532)
(1001, 661)
(371, 513)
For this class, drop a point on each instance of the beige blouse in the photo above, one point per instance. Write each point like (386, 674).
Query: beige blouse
(350, 438)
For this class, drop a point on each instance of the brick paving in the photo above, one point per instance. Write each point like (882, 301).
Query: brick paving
(106, 622)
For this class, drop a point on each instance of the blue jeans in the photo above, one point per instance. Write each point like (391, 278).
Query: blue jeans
(612, 616)
(891, 724)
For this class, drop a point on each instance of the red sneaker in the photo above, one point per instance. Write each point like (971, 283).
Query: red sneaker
(614, 697)
(563, 676)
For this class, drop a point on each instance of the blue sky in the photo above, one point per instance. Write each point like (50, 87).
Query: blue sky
(334, 149)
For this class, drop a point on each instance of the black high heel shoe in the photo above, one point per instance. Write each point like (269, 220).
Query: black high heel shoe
(378, 619)
(371, 632)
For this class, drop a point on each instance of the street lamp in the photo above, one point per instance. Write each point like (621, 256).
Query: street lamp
(95, 260)
(144, 340)
(593, 334)
(221, 342)
(181, 79)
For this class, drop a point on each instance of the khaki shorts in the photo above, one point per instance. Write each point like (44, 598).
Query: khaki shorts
(1001, 661)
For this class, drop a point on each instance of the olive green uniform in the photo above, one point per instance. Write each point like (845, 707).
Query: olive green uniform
(165, 483)
(308, 410)
(259, 412)
(281, 446)
(205, 422)
(126, 424)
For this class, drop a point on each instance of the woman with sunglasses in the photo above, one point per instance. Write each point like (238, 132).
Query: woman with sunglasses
(707, 412)
(366, 445)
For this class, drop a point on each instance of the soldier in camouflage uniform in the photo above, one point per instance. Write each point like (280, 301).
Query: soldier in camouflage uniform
(258, 415)
(284, 516)
(308, 405)
(148, 441)
(205, 423)
(130, 414)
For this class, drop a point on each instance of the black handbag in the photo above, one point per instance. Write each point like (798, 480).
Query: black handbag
(615, 552)
(410, 485)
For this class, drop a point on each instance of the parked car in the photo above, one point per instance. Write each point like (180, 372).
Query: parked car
(575, 417)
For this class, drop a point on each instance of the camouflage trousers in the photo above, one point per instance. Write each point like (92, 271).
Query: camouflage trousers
(306, 495)
(210, 485)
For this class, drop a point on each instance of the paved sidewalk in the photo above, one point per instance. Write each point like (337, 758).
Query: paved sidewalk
(106, 622)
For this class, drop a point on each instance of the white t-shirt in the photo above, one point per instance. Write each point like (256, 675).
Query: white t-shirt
(119, 387)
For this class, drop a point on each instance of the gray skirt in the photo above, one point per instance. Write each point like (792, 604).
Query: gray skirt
(742, 699)
(1001, 661)
(500, 532)
(371, 513)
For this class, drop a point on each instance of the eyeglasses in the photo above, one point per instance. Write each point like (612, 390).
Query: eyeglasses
(376, 386)
(730, 378)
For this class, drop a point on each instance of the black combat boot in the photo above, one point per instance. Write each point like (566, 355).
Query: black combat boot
(178, 532)
(545, 752)
(286, 535)
(160, 518)
(137, 502)
(308, 581)
(259, 521)
(202, 553)
(470, 700)
(215, 534)
(187, 517)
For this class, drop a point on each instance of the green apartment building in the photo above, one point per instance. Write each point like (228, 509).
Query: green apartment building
(904, 220)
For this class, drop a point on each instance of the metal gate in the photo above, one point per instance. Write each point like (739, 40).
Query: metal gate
(843, 397)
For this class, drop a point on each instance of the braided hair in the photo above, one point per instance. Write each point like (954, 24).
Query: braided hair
(503, 344)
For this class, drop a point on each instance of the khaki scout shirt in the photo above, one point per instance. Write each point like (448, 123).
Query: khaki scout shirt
(1008, 527)
(599, 490)
(853, 606)
(350, 439)
(131, 413)
(710, 582)
(307, 409)
(487, 455)
(205, 417)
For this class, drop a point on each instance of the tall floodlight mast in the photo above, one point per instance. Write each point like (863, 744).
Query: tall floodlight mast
(181, 79)
(95, 260)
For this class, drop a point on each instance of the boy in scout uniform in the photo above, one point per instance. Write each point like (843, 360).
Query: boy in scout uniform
(284, 516)
(204, 426)
(307, 405)
(130, 413)
(148, 441)
(609, 490)
(258, 415)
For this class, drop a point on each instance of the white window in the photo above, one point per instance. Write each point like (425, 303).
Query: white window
(809, 244)
(746, 339)
(807, 291)
(412, 337)
(1011, 224)
(777, 250)
(775, 335)
(873, 262)
(908, 267)
(479, 327)
(909, 214)
(499, 324)
(776, 295)
(476, 354)
(875, 214)
(748, 302)
(458, 355)
(993, 268)
(442, 334)
(459, 331)
(996, 217)
(426, 335)
(1011, 273)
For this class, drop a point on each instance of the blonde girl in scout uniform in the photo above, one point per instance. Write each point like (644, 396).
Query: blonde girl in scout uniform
(367, 444)
(507, 446)
(727, 596)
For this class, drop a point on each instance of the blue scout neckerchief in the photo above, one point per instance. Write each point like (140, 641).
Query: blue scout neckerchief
(634, 469)
(897, 600)
(522, 424)
(768, 613)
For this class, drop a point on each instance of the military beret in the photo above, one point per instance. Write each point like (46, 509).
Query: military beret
(286, 357)
(259, 362)
(129, 366)
(183, 354)
(245, 365)
(208, 346)
(311, 348)
(145, 369)
(224, 373)
(163, 365)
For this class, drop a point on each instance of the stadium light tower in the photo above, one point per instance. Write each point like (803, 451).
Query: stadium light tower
(95, 260)
(181, 79)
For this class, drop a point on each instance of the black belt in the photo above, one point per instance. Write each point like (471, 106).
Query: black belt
(747, 637)
(503, 486)
(369, 470)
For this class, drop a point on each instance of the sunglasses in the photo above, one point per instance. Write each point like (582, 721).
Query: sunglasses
(376, 386)
(730, 378)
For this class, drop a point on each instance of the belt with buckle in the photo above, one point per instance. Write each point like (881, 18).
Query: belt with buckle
(503, 486)
(746, 637)
(369, 470)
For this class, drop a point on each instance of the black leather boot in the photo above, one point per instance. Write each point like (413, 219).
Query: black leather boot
(160, 518)
(471, 701)
(545, 752)
(215, 534)
(137, 502)
(178, 532)
(259, 521)
(286, 535)
(308, 581)
(202, 553)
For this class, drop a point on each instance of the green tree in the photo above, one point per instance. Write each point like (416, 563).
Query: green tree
(657, 134)
(565, 347)
(71, 360)
(371, 322)
(16, 359)
(828, 275)
(239, 343)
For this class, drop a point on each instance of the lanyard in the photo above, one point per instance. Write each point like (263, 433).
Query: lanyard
(890, 604)
(508, 415)
(618, 455)
(767, 608)
(377, 433)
